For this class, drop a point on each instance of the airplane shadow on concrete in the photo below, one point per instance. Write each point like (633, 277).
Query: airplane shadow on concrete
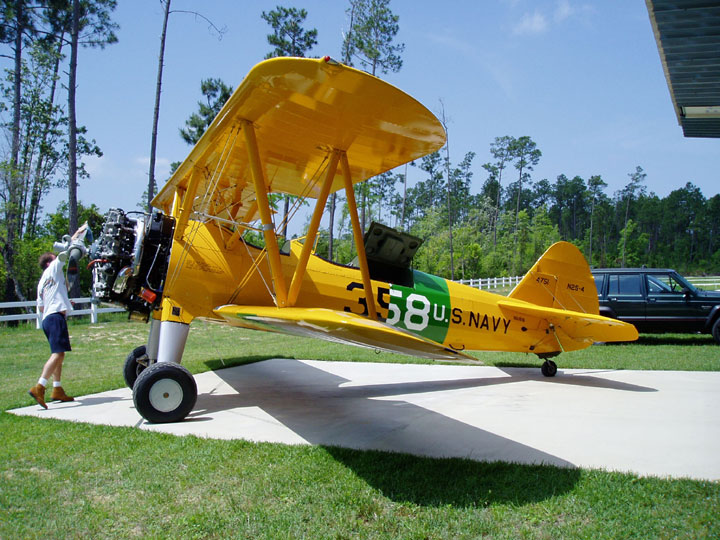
(403, 438)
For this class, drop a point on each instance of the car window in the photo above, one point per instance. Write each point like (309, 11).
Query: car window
(625, 284)
(663, 284)
(599, 280)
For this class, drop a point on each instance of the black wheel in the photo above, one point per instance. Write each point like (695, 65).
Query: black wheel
(135, 363)
(165, 392)
(549, 368)
(716, 330)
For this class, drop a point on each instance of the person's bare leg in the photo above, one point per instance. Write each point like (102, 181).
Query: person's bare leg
(53, 366)
(58, 393)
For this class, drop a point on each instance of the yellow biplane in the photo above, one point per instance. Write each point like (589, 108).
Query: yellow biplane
(308, 128)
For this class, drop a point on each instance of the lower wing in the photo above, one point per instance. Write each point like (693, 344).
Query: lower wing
(337, 326)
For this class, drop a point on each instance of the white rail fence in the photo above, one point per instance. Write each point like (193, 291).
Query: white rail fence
(702, 282)
(492, 283)
(93, 310)
(705, 282)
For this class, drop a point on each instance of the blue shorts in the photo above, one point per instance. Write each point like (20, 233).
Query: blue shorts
(55, 328)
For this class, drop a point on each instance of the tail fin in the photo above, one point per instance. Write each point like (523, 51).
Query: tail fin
(560, 279)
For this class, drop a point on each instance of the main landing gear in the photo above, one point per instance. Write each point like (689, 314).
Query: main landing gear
(163, 390)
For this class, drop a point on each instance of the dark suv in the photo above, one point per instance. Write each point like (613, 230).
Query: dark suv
(657, 300)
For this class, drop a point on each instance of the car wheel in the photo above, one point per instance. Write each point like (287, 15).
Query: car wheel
(716, 330)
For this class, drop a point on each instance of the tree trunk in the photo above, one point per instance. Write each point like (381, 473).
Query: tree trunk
(592, 212)
(517, 217)
(404, 200)
(39, 180)
(286, 210)
(627, 211)
(17, 85)
(449, 192)
(72, 122)
(13, 178)
(74, 291)
(331, 225)
(156, 114)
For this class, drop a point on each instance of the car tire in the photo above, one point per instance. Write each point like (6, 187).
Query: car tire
(716, 330)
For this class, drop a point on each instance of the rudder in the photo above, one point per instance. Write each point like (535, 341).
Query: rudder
(561, 279)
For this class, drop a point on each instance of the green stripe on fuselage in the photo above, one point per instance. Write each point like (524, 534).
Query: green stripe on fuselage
(423, 309)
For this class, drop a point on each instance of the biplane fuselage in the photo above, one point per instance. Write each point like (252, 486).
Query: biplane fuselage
(455, 316)
(309, 128)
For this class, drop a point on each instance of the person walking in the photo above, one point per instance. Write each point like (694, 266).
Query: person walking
(52, 298)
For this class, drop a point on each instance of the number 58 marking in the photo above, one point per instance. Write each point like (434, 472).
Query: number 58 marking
(415, 314)
(417, 311)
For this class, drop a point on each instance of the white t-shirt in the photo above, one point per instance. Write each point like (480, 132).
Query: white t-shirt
(52, 292)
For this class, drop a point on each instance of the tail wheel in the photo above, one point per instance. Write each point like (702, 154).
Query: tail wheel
(164, 392)
(135, 363)
(549, 368)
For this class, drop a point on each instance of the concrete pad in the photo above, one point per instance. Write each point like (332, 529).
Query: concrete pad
(646, 422)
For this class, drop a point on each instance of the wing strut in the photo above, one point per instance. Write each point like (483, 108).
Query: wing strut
(313, 229)
(186, 204)
(263, 205)
(358, 234)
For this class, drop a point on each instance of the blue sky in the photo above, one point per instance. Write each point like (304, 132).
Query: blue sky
(582, 78)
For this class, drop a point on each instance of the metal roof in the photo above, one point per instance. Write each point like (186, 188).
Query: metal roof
(688, 39)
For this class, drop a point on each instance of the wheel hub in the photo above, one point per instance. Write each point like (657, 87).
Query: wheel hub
(166, 395)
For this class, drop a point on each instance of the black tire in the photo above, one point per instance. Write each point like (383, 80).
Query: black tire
(165, 392)
(135, 363)
(549, 368)
(716, 330)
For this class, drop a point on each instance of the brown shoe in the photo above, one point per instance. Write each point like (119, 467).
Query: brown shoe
(58, 394)
(38, 393)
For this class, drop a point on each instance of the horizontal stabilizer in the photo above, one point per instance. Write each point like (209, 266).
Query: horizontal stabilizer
(573, 330)
(336, 326)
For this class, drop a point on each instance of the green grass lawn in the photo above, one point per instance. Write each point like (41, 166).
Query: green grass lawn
(66, 480)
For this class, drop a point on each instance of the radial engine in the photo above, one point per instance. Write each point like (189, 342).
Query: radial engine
(130, 259)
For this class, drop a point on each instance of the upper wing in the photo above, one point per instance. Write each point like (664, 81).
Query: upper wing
(337, 326)
(573, 329)
(301, 110)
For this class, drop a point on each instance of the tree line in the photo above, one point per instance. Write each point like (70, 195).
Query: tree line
(504, 227)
